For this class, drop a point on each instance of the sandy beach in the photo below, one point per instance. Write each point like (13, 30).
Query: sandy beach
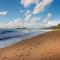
(43, 47)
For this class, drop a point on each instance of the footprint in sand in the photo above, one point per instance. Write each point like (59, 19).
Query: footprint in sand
(30, 48)
(35, 46)
(24, 49)
(18, 49)
(4, 58)
(21, 55)
(16, 55)
(28, 53)
(39, 43)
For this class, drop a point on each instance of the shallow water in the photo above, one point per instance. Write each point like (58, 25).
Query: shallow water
(9, 37)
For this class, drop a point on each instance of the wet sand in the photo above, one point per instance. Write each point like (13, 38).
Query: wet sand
(42, 47)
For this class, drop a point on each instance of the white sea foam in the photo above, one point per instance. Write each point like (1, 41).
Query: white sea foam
(25, 35)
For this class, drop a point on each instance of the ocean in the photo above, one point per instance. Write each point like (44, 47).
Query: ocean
(9, 37)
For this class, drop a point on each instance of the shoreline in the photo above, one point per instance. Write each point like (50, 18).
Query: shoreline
(10, 42)
(43, 47)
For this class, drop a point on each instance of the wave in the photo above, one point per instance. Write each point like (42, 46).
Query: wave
(10, 37)
(11, 33)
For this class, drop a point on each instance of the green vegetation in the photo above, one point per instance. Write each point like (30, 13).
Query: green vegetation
(57, 28)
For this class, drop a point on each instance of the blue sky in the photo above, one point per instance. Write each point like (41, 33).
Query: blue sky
(19, 12)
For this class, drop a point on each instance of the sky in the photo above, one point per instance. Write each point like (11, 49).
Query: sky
(29, 13)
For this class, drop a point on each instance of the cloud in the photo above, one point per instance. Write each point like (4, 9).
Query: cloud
(46, 2)
(48, 22)
(19, 23)
(32, 23)
(41, 6)
(38, 8)
(27, 3)
(31, 20)
(49, 14)
(52, 23)
(12, 24)
(28, 17)
(2, 25)
(3, 13)
(15, 23)
(27, 12)
(47, 17)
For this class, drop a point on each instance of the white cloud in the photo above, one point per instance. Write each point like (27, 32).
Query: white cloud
(30, 20)
(3, 13)
(41, 6)
(18, 23)
(12, 24)
(52, 23)
(27, 3)
(38, 8)
(2, 25)
(27, 12)
(49, 14)
(32, 23)
(28, 17)
(46, 2)
(15, 23)
(48, 22)
(47, 17)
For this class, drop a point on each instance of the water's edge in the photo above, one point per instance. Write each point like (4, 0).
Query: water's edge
(12, 41)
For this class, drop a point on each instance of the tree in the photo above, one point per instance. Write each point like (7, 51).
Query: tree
(58, 24)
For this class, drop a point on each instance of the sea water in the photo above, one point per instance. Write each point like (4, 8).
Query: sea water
(9, 37)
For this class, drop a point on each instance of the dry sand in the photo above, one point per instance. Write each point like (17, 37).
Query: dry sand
(43, 47)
